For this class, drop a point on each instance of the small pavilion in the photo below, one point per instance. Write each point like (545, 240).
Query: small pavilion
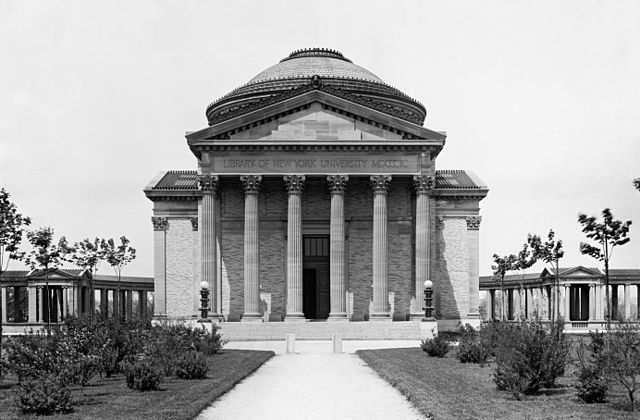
(581, 294)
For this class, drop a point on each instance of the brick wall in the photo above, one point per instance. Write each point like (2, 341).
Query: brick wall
(180, 276)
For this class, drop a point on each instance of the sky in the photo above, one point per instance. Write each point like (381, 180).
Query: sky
(540, 99)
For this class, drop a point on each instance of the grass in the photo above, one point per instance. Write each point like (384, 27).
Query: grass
(448, 389)
(109, 398)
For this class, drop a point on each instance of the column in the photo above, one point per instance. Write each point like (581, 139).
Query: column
(3, 296)
(33, 301)
(473, 252)
(599, 304)
(129, 300)
(251, 250)
(380, 185)
(116, 304)
(294, 185)
(160, 227)
(65, 302)
(209, 185)
(337, 186)
(423, 185)
(567, 302)
(142, 302)
(41, 293)
(614, 303)
(592, 302)
(104, 302)
(627, 301)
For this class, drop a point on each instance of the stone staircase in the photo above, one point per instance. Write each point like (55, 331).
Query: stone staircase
(318, 330)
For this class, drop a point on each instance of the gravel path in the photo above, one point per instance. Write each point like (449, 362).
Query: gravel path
(312, 384)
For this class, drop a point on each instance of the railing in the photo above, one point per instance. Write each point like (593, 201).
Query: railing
(579, 325)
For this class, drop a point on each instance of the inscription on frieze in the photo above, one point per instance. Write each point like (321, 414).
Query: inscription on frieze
(348, 163)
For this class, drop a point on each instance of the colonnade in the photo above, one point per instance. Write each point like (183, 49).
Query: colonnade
(337, 185)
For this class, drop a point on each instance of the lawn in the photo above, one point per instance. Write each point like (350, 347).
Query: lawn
(110, 398)
(449, 389)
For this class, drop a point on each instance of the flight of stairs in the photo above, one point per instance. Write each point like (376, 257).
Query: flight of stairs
(249, 331)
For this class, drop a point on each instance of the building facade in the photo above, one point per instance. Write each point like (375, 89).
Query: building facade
(576, 294)
(316, 196)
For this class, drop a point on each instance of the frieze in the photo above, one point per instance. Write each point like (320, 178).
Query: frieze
(159, 223)
(380, 183)
(208, 183)
(337, 183)
(194, 223)
(473, 222)
(423, 183)
(294, 183)
(251, 183)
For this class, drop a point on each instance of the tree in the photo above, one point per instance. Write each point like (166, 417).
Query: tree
(623, 356)
(524, 260)
(118, 256)
(501, 266)
(88, 254)
(550, 252)
(46, 254)
(608, 234)
(636, 183)
(12, 225)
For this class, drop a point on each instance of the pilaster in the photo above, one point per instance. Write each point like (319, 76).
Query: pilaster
(380, 186)
(160, 226)
(337, 187)
(251, 185)
(473, 235)
(294, 185)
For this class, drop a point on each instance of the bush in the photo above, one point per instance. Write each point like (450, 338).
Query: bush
(45, 395)
(528, 357)
(473, 348)
(191, 365)
(141, 373)
(436, 347)
(592, 385)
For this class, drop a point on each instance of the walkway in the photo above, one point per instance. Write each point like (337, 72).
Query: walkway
(313, 384)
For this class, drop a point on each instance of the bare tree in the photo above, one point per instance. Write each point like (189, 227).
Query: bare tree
(118, 256)
(12, 225)
(524, 260)
(88, 254)
(550, 252)
(608, 234)
(46, 254)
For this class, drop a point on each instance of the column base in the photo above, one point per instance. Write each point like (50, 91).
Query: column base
(251, 317)
(295, 317)
(338, 317)
(384, 316)
(215, 318)
(417, 316)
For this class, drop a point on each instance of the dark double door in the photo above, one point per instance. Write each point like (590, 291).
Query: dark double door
(315, 277)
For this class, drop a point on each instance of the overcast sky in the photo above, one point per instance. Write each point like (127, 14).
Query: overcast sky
(540, 99)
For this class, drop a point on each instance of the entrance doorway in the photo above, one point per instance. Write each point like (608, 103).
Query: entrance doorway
(315, 277)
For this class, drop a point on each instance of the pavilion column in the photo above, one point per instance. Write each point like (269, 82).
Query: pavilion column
(627, 301)
(599, 303)
(160, 227)
(567, 302)
(592, 302)
(380, 185)
(3, 296)
(104, 302)
(209, 185)
(42, 294)
(423, 185)
(65, 302)
(251, 249)
(142, 302)
(294, 184)
(337, 288)
(33, 302)
(129, 300)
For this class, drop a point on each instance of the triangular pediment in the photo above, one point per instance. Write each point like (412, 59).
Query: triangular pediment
(295, 114)
(573, 272)
(316, 123)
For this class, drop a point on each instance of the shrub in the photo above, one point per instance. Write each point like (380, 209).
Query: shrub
(592, 385)
(622, 350)
(472, 348)
(191, 365)
(31, 356)
(528, 357)
(437, 346)
(45, 395)
(141, 373)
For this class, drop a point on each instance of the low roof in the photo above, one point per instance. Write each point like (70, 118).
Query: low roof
(616, 275)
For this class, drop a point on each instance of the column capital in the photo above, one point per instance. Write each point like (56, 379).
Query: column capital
(473, 222)
(160, 223)
(207, 183)
(380, 183)
(423, 183)
(337, 183)
(194, 223)
(294, 183)
(251, 183)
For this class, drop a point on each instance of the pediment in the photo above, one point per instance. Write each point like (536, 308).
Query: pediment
(574, 273)
(297, 112)
(316, 123)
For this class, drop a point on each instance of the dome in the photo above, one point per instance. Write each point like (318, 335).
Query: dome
(316, 68)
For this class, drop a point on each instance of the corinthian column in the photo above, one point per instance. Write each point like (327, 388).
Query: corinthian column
(380, 185)
(208, 186)
(423, 185)
(251, 252)
(337, 186)
(294, 184)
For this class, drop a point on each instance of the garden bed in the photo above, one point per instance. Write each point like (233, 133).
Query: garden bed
(448, 389)
(109, 398)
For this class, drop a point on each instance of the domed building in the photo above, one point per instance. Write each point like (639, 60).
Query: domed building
(316, 197)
